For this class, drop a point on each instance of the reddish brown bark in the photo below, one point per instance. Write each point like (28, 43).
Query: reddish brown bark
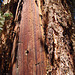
(31, 55)
(42, 35)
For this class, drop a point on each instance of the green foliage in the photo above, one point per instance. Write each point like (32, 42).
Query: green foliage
(2, 20)
(8, 15)
(4, 17)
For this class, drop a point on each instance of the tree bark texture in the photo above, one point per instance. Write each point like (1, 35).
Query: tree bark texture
(31, 55)
(38, 42)
(58, 21)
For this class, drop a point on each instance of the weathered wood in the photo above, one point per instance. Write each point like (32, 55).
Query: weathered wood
(20, 59)
(14, 69)
(31, 54)
(30, 35)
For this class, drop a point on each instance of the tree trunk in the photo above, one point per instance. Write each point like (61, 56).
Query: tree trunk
(57, 21)
(39, 40)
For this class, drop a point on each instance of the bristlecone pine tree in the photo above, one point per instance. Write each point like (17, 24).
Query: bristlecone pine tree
(59, 30)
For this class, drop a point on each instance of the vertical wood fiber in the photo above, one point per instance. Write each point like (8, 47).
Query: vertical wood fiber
(31, 55)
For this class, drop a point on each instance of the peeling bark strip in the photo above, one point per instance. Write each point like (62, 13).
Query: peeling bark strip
(57, 20)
